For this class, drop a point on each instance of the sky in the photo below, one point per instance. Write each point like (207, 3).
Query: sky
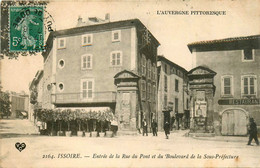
(173, 32)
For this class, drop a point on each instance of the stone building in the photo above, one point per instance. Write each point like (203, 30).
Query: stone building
(172, 94)
(36, 90)
(19, 104)
(103, 64)
(236, 62)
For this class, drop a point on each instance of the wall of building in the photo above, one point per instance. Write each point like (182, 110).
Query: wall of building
(47, 79)
(171, 92)
(102, 72)
(230, 63)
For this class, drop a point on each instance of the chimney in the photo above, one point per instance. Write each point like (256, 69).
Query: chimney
(107, 17)
(80, 22)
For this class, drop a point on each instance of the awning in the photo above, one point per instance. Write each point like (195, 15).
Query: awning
(24, 113)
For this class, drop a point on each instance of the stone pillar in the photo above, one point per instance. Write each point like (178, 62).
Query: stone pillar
(127, 112)
(202, 92)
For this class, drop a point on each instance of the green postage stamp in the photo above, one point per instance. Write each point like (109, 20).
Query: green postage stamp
(26, 28)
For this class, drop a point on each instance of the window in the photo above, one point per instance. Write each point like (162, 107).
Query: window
(227, 85)
(60, 87)
(165, 83)
(187, 104)
(61, 43)
(143, 65)
(86, 61)
(165, 100)
(116, 58)
(248, 55)
(148, 91)
(176, 105)
(153, 72)
(61, 63)
(87, 39)
(176, 85)
(149, 69)
(116, 35)
(165, 68)
(154, 92)
(143, 89)
(173, 70)
(249, 84)
(87, 88)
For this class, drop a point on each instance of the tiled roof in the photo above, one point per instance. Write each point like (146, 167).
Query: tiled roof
(225, 40)
(96, 27)
(160, 58)
(238, 41)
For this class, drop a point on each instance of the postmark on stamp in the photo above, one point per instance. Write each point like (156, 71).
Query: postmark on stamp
(26, 26)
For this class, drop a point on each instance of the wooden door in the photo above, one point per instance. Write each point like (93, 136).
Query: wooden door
(240, 123)
(234, 122)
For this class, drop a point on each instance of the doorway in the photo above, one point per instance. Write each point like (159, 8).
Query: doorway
(234, 122)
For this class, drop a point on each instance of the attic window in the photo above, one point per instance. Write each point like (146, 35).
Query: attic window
(116, 35)
(247, 55)
(61, 43)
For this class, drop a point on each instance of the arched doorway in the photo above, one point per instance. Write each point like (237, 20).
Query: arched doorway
(234, 121)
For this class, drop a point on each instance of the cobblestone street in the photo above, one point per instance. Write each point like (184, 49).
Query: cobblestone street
(47, 151)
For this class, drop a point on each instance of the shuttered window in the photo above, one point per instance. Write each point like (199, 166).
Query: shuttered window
(248, 85)
(227, 86)
(87, 88)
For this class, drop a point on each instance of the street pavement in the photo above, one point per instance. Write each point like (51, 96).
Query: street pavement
(121, 151)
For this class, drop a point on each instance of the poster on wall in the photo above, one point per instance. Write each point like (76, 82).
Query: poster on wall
(58, 95)
(200, 109)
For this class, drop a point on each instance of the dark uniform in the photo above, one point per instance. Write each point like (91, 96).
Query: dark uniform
(167, 129)
(154, 128)
(252, 132)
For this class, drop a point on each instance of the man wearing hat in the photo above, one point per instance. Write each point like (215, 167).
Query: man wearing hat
(252, 132)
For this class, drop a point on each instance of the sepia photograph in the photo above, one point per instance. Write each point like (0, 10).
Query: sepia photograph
(165, 83)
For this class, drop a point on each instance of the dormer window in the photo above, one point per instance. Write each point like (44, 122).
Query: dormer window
(61, 43)
(116, 35)
(248, 55)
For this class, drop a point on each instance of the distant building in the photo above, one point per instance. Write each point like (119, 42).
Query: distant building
(172, 93)
(19, 104)
(237, 64)
(105, 64)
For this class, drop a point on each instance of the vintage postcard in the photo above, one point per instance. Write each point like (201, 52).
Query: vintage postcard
(130, 83)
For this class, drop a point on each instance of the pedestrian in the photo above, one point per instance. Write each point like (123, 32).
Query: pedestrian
(145, 128)
(154, 127)
(167, 129)
(252, 132)
(114, 127)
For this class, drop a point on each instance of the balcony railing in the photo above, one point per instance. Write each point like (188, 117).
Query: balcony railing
(94, 97)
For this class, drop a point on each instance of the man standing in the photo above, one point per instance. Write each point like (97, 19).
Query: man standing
(252, 132)
(145, 127)
(154, 127)
(167, 129)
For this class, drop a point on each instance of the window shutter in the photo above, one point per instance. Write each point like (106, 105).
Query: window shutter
(232, 86)
(255, 85)
(222, 85)
(242, 85)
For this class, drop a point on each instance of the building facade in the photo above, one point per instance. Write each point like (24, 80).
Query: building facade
(172, 93)
(84, 67)
(19, 104)
(36, 90)
(236, 62)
